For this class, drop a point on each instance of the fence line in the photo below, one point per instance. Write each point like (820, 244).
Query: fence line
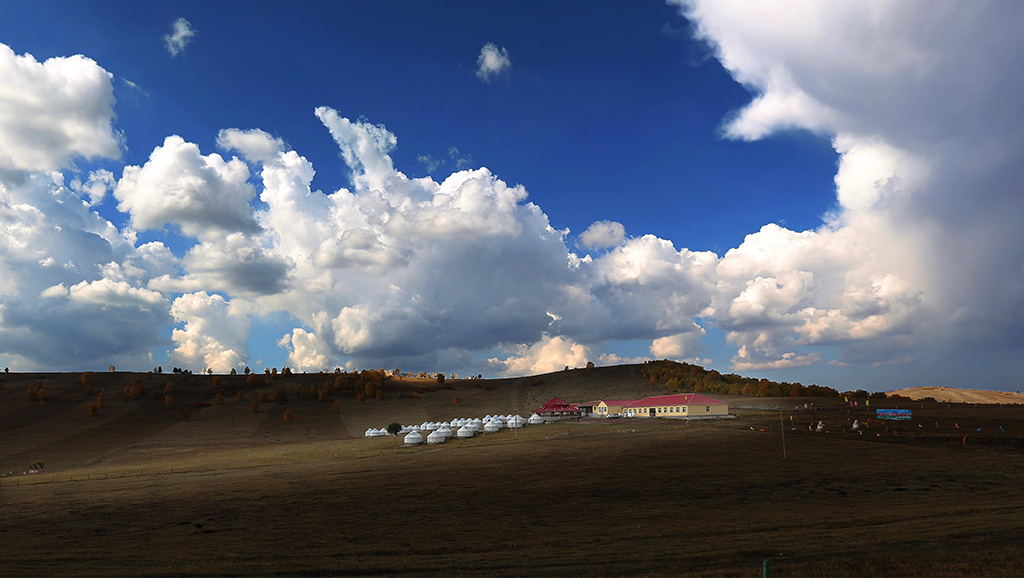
(33, 479)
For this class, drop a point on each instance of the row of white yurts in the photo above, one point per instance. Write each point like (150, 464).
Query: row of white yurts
(458, 427)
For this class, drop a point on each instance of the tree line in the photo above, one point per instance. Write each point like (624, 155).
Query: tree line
(684, 377)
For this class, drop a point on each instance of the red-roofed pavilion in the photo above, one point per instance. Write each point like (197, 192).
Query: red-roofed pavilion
(558, 408)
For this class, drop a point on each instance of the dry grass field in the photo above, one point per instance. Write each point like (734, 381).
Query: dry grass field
(136, 490)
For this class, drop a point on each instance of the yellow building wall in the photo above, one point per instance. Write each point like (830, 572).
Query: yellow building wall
(696, 410)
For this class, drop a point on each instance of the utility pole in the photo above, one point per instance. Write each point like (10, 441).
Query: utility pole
(782, 427)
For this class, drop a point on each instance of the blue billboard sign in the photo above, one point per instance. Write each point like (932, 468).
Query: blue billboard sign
(897, 414)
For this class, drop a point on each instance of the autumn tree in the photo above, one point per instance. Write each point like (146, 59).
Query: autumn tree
(336, 406)
(456, 400)
(288, 415)
(169, 401)
(254, 407)
(99, 399)
(93, 409)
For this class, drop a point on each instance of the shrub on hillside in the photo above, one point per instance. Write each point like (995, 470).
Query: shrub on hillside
(169, 401)
(99, 399)
(288, 415)
(241, 395)
(456, 400)
(336, 406)
(254, 407)
(93, 408)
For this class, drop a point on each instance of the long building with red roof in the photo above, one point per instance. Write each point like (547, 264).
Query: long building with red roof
(687, 405)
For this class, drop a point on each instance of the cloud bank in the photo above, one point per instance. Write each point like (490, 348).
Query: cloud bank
(918, 263)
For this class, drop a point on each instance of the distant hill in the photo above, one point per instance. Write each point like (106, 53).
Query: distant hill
(955, 395)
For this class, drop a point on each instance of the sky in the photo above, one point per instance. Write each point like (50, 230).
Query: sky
(808, 191)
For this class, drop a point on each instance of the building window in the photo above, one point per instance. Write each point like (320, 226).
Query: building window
(707, 408)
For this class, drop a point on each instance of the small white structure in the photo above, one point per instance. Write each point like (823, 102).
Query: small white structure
(535, 420)
(414, 438)
(444, 431)
(491, 427)
(436, 438)
(465, 432)
(856, 425)
(370, 433)
(516, 421)
(821, 426)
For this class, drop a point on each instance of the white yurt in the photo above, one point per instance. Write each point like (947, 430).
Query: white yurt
(473, 426)
(435, 438)
(477, 421)
(444, 431)
(414, 438)
(491, 427)
(465, 432)
(371, 432)
(535, 419)
(516, 421)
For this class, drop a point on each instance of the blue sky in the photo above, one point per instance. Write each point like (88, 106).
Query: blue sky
(777, 191)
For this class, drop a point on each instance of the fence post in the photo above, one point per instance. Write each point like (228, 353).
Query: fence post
(765, 571)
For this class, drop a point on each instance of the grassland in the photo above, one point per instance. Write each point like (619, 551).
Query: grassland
(235, 493)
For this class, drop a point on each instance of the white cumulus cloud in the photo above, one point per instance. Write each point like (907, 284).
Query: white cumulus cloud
(54, 111)
(603, 234)
(179, 37)
(492, 62)
(206, 196)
